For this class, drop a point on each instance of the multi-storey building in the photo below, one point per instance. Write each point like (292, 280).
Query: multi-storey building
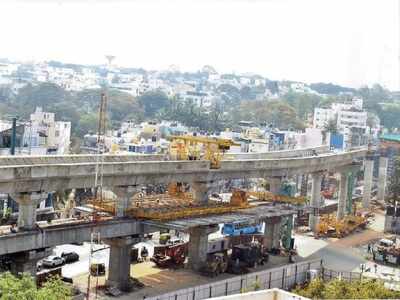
(350, 120)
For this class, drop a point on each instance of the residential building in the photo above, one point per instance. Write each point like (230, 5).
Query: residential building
(350, 120)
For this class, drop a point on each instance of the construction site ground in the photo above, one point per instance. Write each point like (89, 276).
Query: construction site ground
(159, 281)
(340, 254)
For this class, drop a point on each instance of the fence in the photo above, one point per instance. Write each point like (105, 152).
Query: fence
(285, 277)
(328, 274)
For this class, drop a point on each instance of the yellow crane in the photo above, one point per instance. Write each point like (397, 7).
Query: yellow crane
(188, 147)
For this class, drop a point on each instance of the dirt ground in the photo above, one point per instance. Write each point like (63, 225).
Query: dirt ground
(158, 281)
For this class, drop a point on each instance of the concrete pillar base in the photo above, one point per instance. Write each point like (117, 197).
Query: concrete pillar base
(124, 195)
(25, 262)
(201, 191)
(368, 174)
(198, 246)
(383, 164)
(315, 200)
(275, 184)
(119, 270)
(272, 233)
(342, 196)
(27, 204)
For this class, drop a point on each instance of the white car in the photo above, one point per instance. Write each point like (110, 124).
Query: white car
(53, 261)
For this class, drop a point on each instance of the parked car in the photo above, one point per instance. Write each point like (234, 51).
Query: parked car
(70, 257)
(53, 261)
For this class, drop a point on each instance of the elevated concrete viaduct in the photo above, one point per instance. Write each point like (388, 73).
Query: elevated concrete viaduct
(27, 178)
(52, 177)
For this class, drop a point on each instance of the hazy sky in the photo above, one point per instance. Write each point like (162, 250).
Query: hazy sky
(351, 42)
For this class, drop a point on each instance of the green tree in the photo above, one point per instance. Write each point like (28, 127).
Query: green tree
(341, 289)
(24, 288)
(153, 101)
(277, 112)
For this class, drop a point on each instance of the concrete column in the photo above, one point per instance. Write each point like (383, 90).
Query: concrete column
(27, 203)
(388, 224)
(272, 233)
(124, 195)
(315, 200)
(383, 164)
(342, 196)
(201, 191)
(198, 246)
(275, 184)
(304, 185)
(368, 174)
(25, 262)
(119, 268)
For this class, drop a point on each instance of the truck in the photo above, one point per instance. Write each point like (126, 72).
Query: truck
(170, 256)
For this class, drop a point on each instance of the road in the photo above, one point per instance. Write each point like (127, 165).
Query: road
(340, 254)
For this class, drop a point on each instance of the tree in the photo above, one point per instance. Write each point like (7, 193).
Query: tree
(341, 289)
(278, 113)
(153, 101)
(24, 288)
(331, 126)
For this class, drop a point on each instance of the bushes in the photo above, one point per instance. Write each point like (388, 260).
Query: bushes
(341, 289)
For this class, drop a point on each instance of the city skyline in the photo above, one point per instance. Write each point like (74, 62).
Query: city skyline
(348, 43)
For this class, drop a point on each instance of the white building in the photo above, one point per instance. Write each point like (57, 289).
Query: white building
(44, 135)
(350, 118)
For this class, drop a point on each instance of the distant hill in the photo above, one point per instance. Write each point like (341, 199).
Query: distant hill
(330, 88)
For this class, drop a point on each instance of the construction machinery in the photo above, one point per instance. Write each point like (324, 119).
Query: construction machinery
(188, 147)
(386, 251)
(164, 207)
(217, 263)
(329, 226)
(170, 256)
(270, 197)
(244, 257)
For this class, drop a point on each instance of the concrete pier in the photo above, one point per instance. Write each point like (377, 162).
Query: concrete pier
(343, 185)
(368, 176)
(26, 261)
(315, 200)
(304, 185)
(201, 190)
(198, 246)
(272, 232)
(124, 194)
(119, 268)
(275, 184)
(27, 204)
(383, 164)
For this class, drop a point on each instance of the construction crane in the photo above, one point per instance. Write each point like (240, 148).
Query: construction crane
(187, 147)
(98, 183)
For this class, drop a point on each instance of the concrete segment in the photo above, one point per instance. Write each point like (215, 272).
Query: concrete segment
(383, 164)
(368, 174)
(315, 200)
(342, 196)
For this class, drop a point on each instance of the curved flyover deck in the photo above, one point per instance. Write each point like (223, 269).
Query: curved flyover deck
(51, 176)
